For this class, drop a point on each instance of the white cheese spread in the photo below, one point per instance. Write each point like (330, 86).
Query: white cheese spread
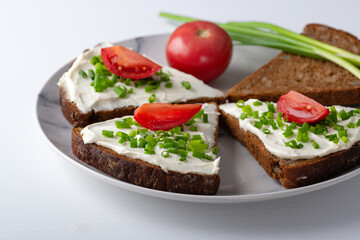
(93, 134)
(275, 141)
(79, 91)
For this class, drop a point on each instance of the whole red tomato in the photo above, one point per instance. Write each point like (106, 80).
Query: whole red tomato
(200, 48)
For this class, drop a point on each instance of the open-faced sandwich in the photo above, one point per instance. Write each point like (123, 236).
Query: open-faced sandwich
(297, 141)
(163, 146)
(91, 90)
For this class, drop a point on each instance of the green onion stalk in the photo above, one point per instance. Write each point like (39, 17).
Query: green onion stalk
(269, 35)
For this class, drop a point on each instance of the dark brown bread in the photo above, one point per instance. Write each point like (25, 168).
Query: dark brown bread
(79, 119)
(292, 174)
(141, 173)
(321, 80)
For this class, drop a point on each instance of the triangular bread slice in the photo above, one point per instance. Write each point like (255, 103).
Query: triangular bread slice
(82, 105)
(321, 80)
(304, 169)
(133, 165)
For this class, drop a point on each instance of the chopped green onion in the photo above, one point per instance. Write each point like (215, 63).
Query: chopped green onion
(342, 133)
(94, 60)
(139, 83)
(128, 82)
(152, 98)
(148, 89)
(205, 118)
(187, 135)
(182, 153)
(315, 144)
(263, 120)
(293, 144)
(255, 114)
(91, 74)
(215, 150)
(243, 116)
(257, 103)
(240, 103)
(270, 107)
(131, 90)
(338, 127)
(178, 138)
(133, 143)
(132, 133)
(168, 85)
(173, 150)
(186, 84)
(199, 154)
(121, 91)
(351, 125)
(266, 131)
(358, 123)
(196, 137)
(303, 135)
(121, 134)
(344, 139)
(142, 142)
(107, 133)
(273, 124)
(193, 128)
(165, 154)
(288, 133)
(258, 124)
(246, 109)
(165, 78)
(176, 130)
(83, 74)
(344, 115)
(124, 123)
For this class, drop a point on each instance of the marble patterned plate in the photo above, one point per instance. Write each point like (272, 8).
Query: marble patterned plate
(242, 179)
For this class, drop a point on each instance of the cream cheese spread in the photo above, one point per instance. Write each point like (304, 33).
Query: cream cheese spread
(79, 91)
(275, 141)
(93, 134)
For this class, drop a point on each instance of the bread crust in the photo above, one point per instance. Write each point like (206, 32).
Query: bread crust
(318, 79)
(292, 174)
(79, 119)
(141, 173)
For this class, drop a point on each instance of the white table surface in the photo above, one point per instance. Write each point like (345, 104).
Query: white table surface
(42, 196)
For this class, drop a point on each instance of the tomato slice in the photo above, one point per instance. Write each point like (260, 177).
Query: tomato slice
(299, 108)
(164, 116)
(127, 63)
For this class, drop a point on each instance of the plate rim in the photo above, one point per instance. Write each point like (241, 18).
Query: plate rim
(180, 196)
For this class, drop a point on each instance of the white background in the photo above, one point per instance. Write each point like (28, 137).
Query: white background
(42, 196)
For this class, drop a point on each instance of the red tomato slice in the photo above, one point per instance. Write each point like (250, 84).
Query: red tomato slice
(299, 108)
(127, 63)
(164, 116)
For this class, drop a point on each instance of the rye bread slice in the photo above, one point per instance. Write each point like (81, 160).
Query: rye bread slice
(293, 174)
(141, 173)
(321, 80)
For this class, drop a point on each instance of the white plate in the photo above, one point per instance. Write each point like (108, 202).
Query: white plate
(242, 179)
